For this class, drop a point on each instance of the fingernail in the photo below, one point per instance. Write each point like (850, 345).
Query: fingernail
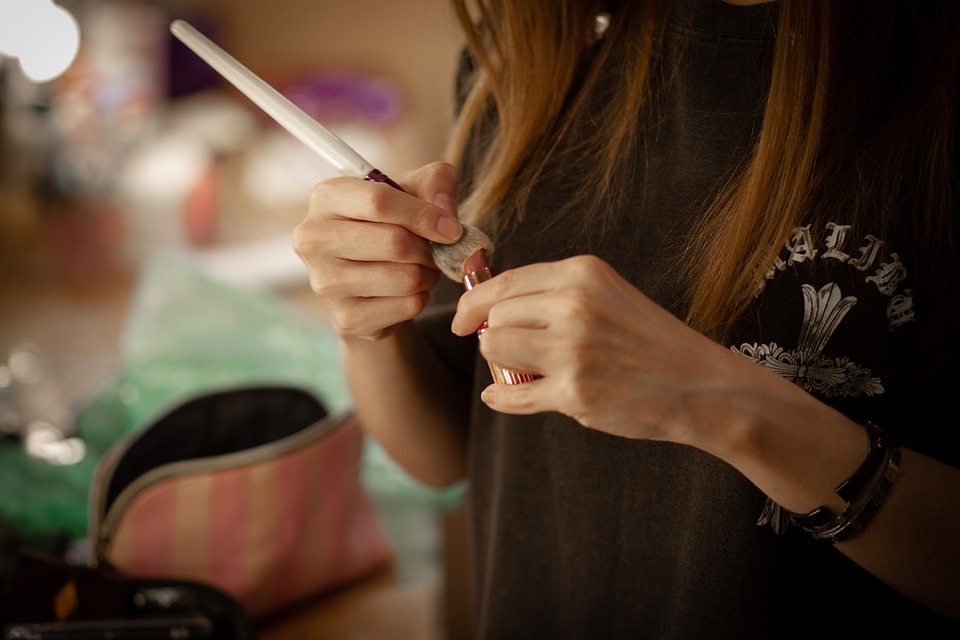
(446, 202)
(487, 395)
(449, 228)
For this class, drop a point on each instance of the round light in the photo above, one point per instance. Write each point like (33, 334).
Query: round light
(43, 36)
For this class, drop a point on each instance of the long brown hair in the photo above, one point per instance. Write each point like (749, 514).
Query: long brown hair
(861, 114)
(535, 101)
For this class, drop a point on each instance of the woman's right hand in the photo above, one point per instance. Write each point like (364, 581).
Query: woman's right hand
(365, 246)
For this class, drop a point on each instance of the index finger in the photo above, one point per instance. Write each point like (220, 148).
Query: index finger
(474, 305)
(349, 198)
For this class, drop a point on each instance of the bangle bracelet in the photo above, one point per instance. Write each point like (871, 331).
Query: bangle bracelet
(860, 508)
(847, 524)
(878, 469)
(850, 488)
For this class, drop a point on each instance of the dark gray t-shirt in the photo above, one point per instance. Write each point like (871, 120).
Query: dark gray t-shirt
(578, 534)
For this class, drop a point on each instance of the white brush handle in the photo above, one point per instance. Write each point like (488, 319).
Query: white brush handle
(310, 132)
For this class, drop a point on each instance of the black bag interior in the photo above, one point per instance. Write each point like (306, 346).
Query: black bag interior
(215, 424)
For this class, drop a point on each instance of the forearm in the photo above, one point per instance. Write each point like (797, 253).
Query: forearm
(798, 450)
(409, 404)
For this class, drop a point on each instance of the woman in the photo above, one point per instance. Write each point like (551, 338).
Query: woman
(726, 245)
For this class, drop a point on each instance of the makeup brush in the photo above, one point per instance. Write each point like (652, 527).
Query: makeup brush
(454, 260)
(449, 258)
(464, 261)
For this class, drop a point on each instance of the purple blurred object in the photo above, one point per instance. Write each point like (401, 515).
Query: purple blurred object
(329, 96)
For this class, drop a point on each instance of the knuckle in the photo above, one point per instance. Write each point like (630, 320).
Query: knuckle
(494, 316)
(346, 321)
(327, 283)
(301, 239)
(413, 305)
(488, 347)
(589, 262)
(573, 305)
(319, 285)
(319, 194)
(398, 243)
(441, 170)
(378, 199)
(311, 238)
(421, 219)
(509, 278)
(412, 279)
(408, 278)
(587, 268)
(428, 280)
(495, 346)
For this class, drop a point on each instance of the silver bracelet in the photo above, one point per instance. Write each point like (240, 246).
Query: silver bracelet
(864, 491)
(856, 515)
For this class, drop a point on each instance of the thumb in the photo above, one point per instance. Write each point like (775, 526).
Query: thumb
(437, 183)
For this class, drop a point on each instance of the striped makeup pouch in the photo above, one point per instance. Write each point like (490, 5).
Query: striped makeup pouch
(254, 491)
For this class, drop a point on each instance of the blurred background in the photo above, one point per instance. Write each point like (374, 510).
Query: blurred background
(138, 145)
(128, 168)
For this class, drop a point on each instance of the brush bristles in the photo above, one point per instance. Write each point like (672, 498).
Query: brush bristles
(451, 257)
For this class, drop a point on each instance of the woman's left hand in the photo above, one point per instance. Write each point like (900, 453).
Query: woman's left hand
(615, 361)
(610, 357)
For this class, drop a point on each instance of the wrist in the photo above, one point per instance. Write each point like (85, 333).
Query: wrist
(793, 447)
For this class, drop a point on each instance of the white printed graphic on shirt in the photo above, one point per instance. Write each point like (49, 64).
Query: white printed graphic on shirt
(824, 310)
(806, 365)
